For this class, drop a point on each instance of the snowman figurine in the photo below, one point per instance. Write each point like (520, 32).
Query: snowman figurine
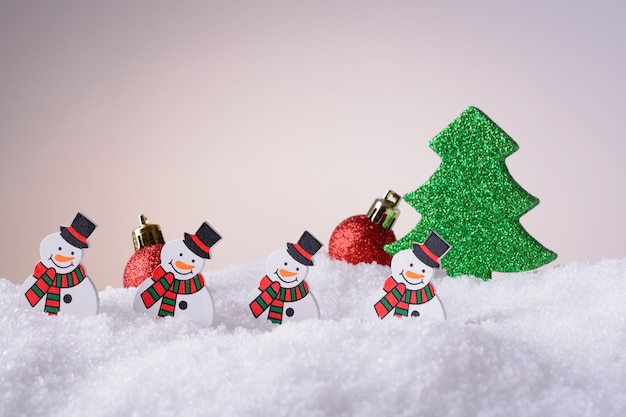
(176, 287)
(408, 291)
(59, 283)
(283, 294)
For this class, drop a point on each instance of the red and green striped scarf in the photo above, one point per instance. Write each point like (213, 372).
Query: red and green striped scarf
(399, 297)
(166, 287)
(273, 296)
(49, 283)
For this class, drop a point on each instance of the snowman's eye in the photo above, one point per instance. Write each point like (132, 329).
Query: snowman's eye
(72, 253)
(423, 271)
(411, 265)
(60, 248)
(297, 269)
(193, 261)
(285, 263)
(180, 254)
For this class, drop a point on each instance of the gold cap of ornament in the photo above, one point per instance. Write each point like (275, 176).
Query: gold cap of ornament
(383, 211)
(147, 234)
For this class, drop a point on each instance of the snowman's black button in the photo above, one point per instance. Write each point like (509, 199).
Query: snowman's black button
(182, 305)
(67, 298)
(415, 313)
(289, 312)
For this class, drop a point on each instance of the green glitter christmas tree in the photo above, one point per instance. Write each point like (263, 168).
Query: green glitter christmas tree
(474, 204)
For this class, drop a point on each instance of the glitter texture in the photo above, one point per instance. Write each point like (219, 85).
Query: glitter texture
(358, 239)
(474, 204)
(141, 265)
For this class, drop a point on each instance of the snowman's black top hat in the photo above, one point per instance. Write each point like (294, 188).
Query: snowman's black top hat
(77, 234)
(304, 250)
(433, 248)
(202, 241)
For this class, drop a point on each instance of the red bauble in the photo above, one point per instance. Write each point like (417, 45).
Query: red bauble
(358, 239)
(362, 238)
(148, 241)
(141, 265)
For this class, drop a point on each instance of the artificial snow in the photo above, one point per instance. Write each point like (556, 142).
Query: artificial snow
(544, 343)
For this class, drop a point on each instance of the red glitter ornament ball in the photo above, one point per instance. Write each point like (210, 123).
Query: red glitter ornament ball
(362, 238)
(358, 239)
(141, 265)
(148, 241)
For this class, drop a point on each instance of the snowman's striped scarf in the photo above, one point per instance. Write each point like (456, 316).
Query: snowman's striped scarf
(399, 297)
(49, 283)
(273, 296)
(166, 287)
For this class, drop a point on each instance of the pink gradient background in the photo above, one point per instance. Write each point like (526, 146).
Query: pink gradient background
(269, 118)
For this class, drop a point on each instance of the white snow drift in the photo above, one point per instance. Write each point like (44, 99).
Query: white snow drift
(545, 343)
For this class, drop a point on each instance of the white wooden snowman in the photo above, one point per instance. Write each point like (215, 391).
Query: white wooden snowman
(283, 294)
(59, 283)
(408, 292)
(176, 287)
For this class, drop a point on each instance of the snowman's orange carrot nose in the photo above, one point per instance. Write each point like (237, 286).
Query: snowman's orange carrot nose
(60, 258)
(411, 274)
(181, 265)
(286, 274)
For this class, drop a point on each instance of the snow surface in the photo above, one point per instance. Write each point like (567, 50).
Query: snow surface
(544, 343)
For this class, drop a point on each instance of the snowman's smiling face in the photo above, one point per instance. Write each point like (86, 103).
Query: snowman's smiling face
(56, 253)
(283, 268)
(178, 259)
(405, 267)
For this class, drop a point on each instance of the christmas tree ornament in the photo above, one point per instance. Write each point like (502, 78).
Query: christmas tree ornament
(283, 294)
(362, 238)
(474, 203)
(148, 241)
(59, 283)
(408, 291)
(176, 287)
